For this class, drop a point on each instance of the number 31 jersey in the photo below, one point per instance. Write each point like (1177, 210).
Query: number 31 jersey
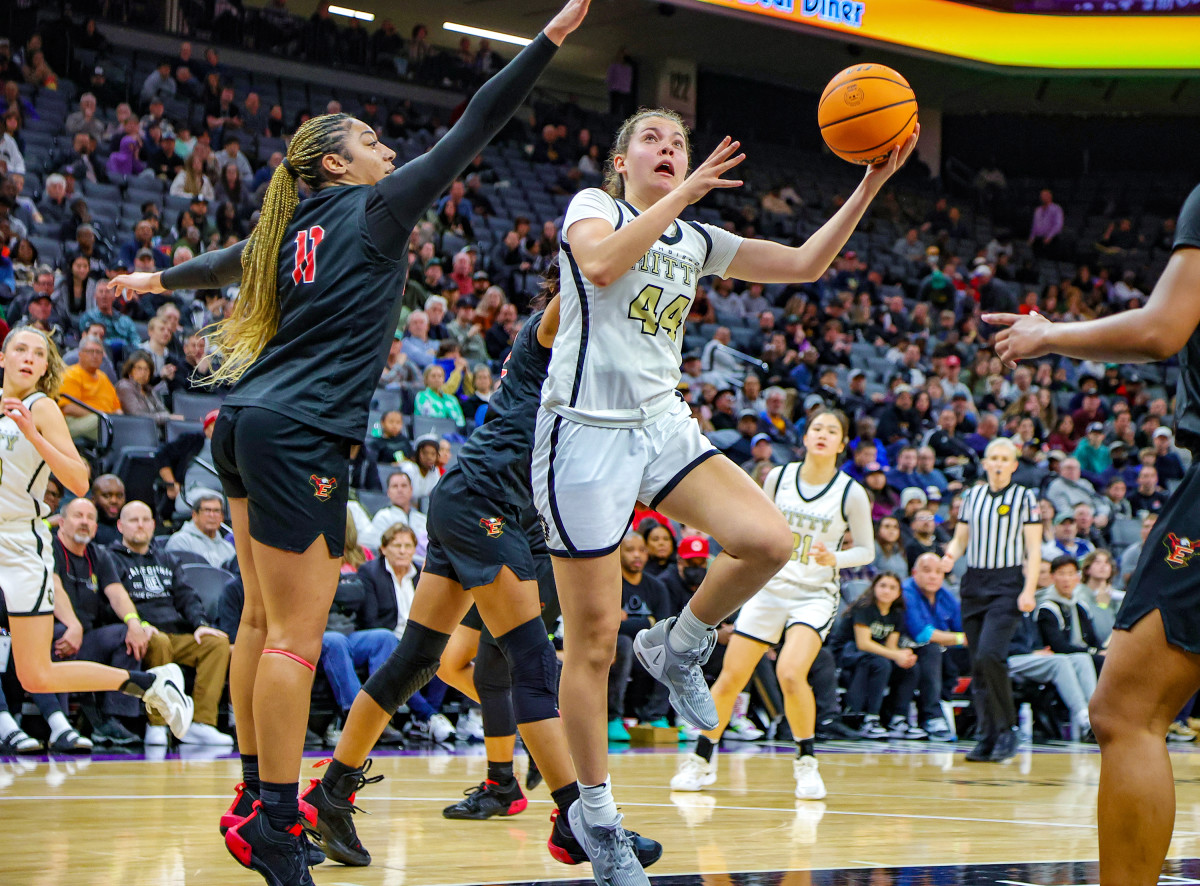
(617, 353)
(822, 517)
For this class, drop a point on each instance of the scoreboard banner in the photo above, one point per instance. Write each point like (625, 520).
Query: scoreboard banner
(1063, 34)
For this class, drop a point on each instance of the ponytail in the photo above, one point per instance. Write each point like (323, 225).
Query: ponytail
(238, 339)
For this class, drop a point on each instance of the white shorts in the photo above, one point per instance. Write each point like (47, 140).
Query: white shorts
(765, 617)
(26, 568)
(587, 479)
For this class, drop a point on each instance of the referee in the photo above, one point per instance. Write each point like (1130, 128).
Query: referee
(1000, 533)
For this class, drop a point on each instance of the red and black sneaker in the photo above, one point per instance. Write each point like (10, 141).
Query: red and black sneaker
(279, 856)
(243, 804)
(486, 800)
(336, 834)
(565, 848)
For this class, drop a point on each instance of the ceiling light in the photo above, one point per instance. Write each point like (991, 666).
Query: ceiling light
(352, 13)
(486, 34)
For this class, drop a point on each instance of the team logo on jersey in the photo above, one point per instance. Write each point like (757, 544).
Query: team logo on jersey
(1180, 550)
(1003, 510)
(494, 526)
(323, 486)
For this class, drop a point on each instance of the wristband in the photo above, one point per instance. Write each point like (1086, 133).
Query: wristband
(128, 616)
(145, 624)
(960, 639)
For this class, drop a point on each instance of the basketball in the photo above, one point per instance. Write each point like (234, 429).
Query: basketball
(865, 111)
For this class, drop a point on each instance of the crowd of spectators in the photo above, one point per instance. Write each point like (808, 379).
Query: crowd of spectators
(891, 334)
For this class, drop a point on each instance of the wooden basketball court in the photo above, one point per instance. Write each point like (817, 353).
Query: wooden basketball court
(138, 822)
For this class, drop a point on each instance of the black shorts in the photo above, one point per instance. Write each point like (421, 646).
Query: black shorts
(471, 536)
(1167, 577)
(295, 477)
(547, 591)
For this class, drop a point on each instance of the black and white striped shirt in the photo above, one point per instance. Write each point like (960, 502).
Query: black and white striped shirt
(997, 521)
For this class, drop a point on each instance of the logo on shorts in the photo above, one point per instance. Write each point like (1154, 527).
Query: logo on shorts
(493, 525)
(323, 486)
(1180, 550)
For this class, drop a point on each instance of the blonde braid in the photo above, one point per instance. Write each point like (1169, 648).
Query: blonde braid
(238, 339)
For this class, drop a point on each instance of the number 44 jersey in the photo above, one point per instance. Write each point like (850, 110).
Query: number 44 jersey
(617, 353)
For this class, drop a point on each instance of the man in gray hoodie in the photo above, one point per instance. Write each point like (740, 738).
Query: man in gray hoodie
(202, 534)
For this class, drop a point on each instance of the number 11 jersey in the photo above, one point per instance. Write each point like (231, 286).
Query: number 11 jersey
(617, 353)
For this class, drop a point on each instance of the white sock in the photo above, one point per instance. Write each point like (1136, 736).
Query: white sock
(7, 724)
(599, 808)
(58, 725)
(688, 632)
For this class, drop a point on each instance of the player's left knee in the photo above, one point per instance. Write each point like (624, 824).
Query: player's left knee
(534, 671)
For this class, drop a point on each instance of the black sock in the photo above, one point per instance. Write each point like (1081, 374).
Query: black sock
(563, 798)
(280, 803)
(704, 748)
(138, 683)
(250, 772)
(501, 774)
(804, 748)
(335, 780)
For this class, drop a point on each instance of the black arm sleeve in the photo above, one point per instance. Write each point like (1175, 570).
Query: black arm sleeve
(212, 270)
(399, 199)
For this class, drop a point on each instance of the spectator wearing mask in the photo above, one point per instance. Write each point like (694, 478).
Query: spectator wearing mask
(180, 630)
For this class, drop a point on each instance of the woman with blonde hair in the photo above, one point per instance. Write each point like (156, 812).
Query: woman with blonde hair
(39, 445)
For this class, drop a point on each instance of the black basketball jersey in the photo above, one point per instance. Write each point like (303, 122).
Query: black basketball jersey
(497, 456)
(337, 292)
(1187, 403)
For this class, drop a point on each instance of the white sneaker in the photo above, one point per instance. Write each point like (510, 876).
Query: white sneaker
(808, 779)
(470, 725)
(167, 698)
(902, 729)
(694, 773)
(333, 733)
(156, 737)
(441, 730)
(202, 733)
(872, 729)
(741, 727)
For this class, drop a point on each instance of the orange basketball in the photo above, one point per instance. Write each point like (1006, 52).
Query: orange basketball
(865, 111)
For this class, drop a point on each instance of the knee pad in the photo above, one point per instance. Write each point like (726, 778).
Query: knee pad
(411, 665)
(494, 685)
(534, 668)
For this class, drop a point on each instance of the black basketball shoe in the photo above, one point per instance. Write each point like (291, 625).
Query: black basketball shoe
(486, 800)
(533, 777)
(335, 816)
(565, 848)
(279, 856)
(243, 804)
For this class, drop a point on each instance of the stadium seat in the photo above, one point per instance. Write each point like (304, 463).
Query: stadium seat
(176, 429)
(193, 407)
(440, 427)
(130, 431)
(208, 582)
(372, 500)
(1126, 531)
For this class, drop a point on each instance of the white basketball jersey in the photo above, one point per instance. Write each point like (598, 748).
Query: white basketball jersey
(820, 518)
(23, 474)
(617, 353)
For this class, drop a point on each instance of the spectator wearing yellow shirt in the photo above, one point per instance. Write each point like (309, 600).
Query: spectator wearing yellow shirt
(85, 382)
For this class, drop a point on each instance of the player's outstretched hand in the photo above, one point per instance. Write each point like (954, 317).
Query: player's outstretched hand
(879, 173)
(139, 282)
(1024, 337)
(708, 174)
(568, 19)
